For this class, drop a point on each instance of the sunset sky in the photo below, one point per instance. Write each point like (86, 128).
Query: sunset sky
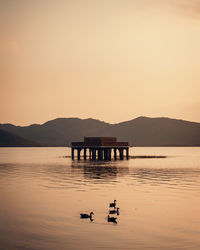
(112, 60)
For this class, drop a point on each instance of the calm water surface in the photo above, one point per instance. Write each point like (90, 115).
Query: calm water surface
(42, 193)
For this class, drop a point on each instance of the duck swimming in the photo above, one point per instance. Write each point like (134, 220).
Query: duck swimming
(85, 216)
(112, 219)
(113, 204)
(114, 211)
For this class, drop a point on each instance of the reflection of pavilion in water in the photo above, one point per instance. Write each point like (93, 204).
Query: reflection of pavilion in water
(100, 148)
(100, 170)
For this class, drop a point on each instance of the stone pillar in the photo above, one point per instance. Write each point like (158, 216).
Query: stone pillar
(121, 155)
(127, 153)
(105, 152)
(85, 153)
(90, 153)
(115, 153)
(79, 154)
(93, 154)
(100, 154)
(72, 153)
(109, 154)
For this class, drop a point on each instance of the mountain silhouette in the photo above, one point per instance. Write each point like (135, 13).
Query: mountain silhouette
(142, 131)
(8, 139)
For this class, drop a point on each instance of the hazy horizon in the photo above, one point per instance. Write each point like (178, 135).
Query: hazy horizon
(109, 60)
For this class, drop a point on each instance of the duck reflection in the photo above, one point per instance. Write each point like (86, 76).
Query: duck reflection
(100, 171)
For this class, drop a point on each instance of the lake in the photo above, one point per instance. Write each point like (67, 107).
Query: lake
(43, 192)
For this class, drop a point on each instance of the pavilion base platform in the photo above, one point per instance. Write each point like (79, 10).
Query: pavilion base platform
(100, 148)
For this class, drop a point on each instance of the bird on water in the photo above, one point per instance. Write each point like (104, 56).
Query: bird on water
(112, 219)
(85, 216)
(113, 204)
(114, 211)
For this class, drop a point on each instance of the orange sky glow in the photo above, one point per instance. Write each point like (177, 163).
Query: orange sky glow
(112, 60)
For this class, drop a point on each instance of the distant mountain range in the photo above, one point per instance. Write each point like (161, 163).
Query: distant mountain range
(142, 131)
(8, 139)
